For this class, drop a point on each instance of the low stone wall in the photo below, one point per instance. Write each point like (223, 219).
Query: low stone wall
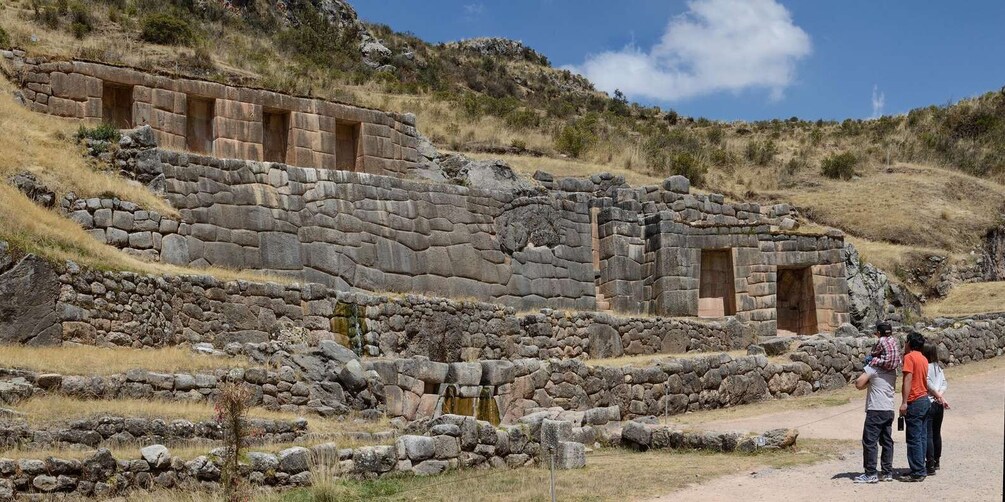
(452, 442)
(327, 379)
(418, 387)
(115, 430)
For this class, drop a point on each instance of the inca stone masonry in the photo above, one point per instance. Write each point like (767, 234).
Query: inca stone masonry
(319, 191)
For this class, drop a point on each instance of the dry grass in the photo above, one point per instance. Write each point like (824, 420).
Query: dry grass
(58, 409)
(608, 475)
(913, 206)
(42, 144)
(649, 359)
(893, 257)
(968, 299)
(88, 360)
(565, 168)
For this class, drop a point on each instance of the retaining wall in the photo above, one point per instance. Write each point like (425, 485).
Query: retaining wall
(415, 387)
(385, 143)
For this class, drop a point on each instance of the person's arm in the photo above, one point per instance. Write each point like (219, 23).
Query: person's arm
(862, 381)
(906, 391)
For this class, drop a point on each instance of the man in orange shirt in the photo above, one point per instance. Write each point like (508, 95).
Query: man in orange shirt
(915, 405)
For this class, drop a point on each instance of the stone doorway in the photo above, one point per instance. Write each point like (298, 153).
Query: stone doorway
(276, 130)
(346, 146)
(716, 289)
(117, 105)
(199, 125)
(796, 302)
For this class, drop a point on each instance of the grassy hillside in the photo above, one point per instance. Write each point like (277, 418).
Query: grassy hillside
(903, 188)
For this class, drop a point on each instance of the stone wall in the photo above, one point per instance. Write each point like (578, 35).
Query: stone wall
(116, 430)
(385, 142)
(127, 309)
(651, 243)
(418, 387)
(449, 442)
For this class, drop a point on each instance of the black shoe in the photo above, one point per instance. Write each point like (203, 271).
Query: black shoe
(931, 472)
(936, 465)
(913, 478)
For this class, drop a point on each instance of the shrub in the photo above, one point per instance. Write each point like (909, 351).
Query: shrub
(81, 21)
(761, 152)
(48, 16)
(166, 29)
(840, 165)
(676, 151)
(102, 132)
(720, 157)
(4, 38)
(715, 135)
(574, 139)
(794, 165)
(522, 119)
(232, 405)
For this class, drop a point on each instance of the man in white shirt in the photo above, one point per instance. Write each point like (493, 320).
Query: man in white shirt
(878, 430)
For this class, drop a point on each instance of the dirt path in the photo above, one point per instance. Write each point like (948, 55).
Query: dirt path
(972, 459)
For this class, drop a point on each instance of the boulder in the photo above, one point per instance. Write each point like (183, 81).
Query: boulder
(779, 438)
(334, 351)
(605, 341)
(497, 372)
(430, 467)
(294, 460)
(464, 373)
(677, 184)
(637, 434)
(156, 455)
(99, 467)
(28, 294)
(416, 448)
(446, 447)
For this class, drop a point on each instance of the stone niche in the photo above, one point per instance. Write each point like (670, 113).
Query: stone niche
(117, 105)
(797, 311)
(276, 131)
(716, 289)
(199, 130)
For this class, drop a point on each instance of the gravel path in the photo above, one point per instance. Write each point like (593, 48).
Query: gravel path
(972, 460)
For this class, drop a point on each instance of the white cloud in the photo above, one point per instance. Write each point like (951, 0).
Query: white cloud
(878, 102)
(717, 45)
(473, 10)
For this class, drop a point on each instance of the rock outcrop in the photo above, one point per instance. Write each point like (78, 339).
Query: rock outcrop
(29, 288)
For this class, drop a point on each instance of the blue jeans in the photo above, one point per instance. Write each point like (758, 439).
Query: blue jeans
(917, 437)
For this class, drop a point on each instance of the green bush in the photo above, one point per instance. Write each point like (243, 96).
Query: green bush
(841, 165)
(166, 29)
(574, 139)
(101, 132)
(4, 38)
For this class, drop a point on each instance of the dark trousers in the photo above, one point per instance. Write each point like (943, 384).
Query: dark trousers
(878, 431)
(933, 430)
(917, 435)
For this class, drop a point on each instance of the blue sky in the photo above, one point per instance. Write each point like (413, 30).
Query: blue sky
(743, 59)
